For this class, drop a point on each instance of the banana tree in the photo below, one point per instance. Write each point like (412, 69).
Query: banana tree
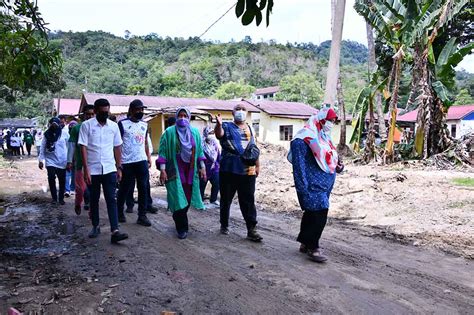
(365, 103)
(431, 136)
(410, 27)
(432, 79)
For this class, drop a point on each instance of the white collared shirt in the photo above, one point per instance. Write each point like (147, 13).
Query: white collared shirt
(57, 158)
(100, 142)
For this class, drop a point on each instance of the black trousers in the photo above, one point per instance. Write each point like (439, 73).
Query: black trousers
(134, 172)
(28, 148)
(54, 172)
(180, 218)
(312, 226)
(244, 185)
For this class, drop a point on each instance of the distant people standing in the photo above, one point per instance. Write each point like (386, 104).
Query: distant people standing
(54, 152)
(74, 160)
(235, 175)
(101, 152)
(29, 141)
(180, 155)
(315, 164)
(212, 153)
(15, 143)
(38, 140)
(136, 160)
(20, 136)
(8, 138)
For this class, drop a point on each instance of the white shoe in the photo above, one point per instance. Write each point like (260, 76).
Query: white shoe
(215, 204)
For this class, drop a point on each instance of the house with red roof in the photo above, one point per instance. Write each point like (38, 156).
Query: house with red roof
(160, 108)
(67, 106)
(460, 120)
(266, 93)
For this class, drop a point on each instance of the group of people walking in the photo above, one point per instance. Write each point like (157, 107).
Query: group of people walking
(15, 142)
(107, 155)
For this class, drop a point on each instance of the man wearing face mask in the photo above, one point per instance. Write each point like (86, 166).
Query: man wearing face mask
(74, 160)
(101, 153)
(53, 151)
(136, 160)
(234, 175)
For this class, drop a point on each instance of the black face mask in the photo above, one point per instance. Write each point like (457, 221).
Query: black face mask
(102, 116)
(138, 116)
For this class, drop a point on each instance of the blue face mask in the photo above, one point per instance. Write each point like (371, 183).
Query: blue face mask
(240, 115)
(182, 122)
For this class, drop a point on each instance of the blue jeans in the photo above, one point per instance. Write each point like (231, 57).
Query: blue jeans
(54, 172)
(70, 184)
(108, 182)
(134, 171)
(214, 179)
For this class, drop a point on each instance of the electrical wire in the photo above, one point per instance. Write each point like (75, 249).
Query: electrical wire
(217, 20)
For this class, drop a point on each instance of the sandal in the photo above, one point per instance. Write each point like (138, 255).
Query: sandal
(317, 256)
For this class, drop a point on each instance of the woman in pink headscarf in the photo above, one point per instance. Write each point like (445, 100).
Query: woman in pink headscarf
(315, 163)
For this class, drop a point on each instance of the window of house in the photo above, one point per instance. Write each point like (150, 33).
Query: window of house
(453, 131)
(265, 95)
(286, 133)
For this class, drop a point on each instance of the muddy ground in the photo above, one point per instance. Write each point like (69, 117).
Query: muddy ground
(391, 249)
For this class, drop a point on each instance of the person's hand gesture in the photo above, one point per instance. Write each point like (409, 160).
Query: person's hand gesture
(40, 165)
(218, 120)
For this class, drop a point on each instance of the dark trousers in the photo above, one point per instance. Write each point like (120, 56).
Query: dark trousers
(180, 218)
(244, 185)
(28, 148)
(134, 171)
(312, 226)
(54, 172)
(130, 202)
(108, 183)
(214, 179)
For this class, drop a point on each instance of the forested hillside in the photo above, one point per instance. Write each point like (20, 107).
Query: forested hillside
(151, 65)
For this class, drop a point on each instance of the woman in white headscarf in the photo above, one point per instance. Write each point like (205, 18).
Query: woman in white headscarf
(212, 153)
(180, 155)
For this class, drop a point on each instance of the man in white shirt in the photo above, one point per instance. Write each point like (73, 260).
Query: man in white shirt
(136, 160)
(100, 143)
(53, 152)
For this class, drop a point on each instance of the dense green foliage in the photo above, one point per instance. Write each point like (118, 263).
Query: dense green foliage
(27, 62)
(151, 65)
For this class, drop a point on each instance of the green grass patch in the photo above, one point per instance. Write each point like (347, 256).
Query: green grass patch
(464, 181)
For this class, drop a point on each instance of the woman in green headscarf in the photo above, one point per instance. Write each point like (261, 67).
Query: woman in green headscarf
(180, 155)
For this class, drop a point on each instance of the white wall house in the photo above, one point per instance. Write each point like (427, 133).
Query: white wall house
(278, 122)
(460, 120)
(267, 93)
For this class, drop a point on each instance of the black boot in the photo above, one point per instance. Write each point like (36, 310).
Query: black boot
(253, 235)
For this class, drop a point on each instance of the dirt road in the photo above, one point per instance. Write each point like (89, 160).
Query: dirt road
(49, 265)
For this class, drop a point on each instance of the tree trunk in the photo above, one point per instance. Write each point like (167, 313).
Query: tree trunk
(431, 134)
(396, 69)
(372, 66)
(334, 57)
(342, 147)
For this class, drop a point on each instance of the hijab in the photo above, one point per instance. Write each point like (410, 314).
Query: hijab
(319, 141)
(209, 145)
(185, 137)
(53, 133)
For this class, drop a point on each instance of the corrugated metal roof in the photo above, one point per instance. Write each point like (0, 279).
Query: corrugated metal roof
(282, 108)
(454, 113)
(164, 102)
(17, 123)
(68, 106)
(267, 90)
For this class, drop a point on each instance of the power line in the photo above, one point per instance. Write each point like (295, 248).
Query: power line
(218, 20)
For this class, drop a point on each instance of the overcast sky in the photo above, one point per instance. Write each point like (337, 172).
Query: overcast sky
(291, 21)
